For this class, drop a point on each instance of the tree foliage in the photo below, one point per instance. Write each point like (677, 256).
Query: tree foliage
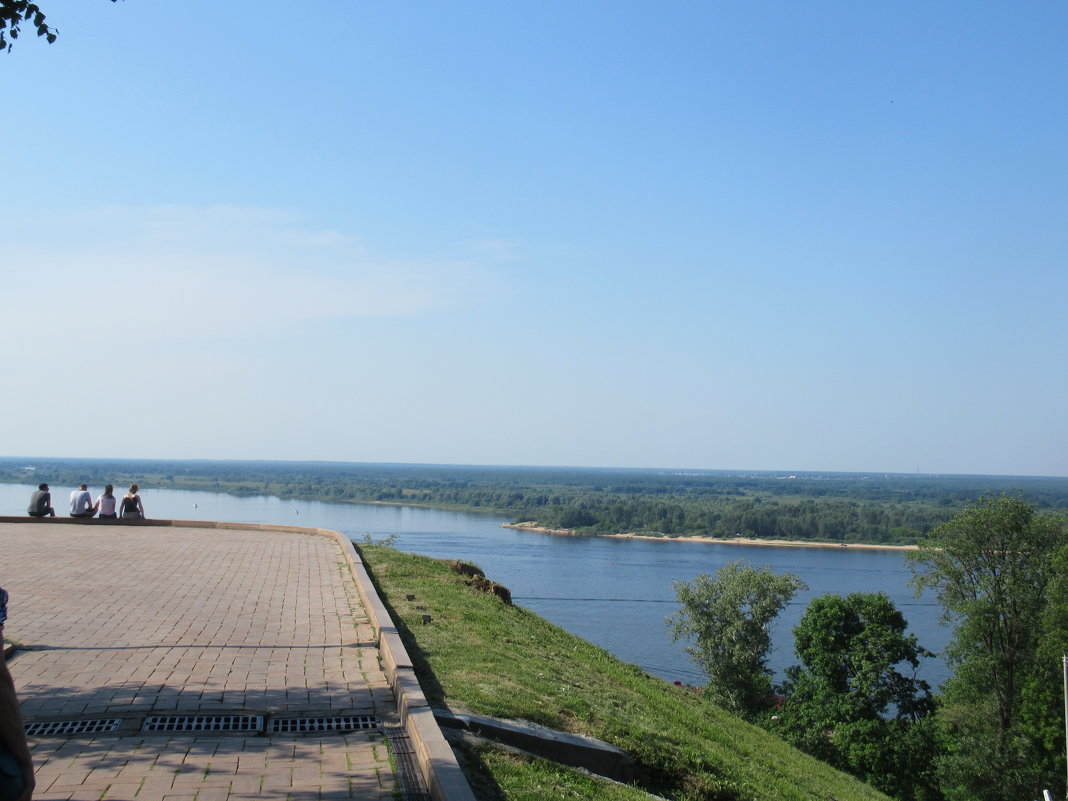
(850, 649)
(727, 617)
(16, 13)
(991, 567)
(855, 701)
(1042, 699)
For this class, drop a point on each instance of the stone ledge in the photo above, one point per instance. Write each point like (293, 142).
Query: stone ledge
(437, 762)
(577, 750)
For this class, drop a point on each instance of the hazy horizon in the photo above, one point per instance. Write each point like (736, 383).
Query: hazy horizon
(785, 471)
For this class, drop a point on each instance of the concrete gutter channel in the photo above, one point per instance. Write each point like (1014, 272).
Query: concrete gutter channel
(434, 757)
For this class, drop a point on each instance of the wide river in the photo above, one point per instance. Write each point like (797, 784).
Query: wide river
(613, 592)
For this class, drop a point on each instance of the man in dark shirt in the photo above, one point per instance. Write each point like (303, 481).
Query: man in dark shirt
(41, 503)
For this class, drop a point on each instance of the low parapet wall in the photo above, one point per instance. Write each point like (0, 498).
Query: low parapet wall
(437, 762)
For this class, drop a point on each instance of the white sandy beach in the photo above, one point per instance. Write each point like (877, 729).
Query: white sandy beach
(565, 532)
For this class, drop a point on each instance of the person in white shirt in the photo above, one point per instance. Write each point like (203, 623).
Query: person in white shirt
(106, 503)
(81, 503)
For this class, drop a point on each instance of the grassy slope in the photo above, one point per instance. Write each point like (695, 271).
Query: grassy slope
(482, 656)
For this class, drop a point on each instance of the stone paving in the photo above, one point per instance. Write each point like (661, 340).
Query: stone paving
(128, 621)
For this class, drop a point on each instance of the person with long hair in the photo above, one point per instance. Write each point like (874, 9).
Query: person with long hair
(107, 502)
(131, 508)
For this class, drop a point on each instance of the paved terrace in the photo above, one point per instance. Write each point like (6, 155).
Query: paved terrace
(129, 621)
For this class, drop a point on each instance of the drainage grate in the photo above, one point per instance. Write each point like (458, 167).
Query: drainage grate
(53, 727)
(408, 776)
(238, 723)
(340, 724)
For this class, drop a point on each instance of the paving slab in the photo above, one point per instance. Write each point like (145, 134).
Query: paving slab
(126, 622)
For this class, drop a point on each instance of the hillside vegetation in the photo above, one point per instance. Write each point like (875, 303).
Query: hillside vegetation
(482, 656)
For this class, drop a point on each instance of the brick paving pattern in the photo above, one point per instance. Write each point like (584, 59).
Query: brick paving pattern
(124, 622)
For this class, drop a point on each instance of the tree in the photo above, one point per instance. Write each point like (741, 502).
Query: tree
(850, 705)
(1042, 700)
(727, 617)
(14, 13)
(990, 567)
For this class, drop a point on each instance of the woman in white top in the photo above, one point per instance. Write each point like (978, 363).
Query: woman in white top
(107, 502)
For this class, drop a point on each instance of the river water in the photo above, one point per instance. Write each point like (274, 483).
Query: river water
(613, 592)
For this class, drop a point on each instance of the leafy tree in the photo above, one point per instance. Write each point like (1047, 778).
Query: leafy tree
(1042, 701)
(727, 617)
(990, 567)
(848, 702)
(15, 13)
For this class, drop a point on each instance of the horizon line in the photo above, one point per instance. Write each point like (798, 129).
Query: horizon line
(486, 466)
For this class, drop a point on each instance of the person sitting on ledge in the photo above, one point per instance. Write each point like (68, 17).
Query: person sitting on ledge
(41, 503)
(131, 508)
(106, 503)
(81, 503)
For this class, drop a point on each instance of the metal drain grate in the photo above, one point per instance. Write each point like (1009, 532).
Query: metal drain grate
(238, 723)
(409, 778)
(340, 724)
(54, 727)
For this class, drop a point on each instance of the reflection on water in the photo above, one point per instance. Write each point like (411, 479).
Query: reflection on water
(613, 592)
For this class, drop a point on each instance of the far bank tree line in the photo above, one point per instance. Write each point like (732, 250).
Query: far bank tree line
(996, 732)
(846, 508)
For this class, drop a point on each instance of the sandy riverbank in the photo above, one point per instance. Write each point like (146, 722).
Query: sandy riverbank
(856, 546)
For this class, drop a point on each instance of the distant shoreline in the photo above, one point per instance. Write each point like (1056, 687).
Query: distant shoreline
(855, 546)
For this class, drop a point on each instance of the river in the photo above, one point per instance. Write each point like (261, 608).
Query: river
(613, 592)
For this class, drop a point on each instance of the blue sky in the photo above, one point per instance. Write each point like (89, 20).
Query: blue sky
(804, 236)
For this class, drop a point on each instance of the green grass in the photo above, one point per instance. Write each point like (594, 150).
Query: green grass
(495, 773)
(481, 656)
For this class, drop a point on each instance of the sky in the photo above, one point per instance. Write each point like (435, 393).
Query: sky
(722, 235)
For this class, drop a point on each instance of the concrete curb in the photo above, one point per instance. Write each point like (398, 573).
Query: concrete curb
(435, 758)
(437, 762)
